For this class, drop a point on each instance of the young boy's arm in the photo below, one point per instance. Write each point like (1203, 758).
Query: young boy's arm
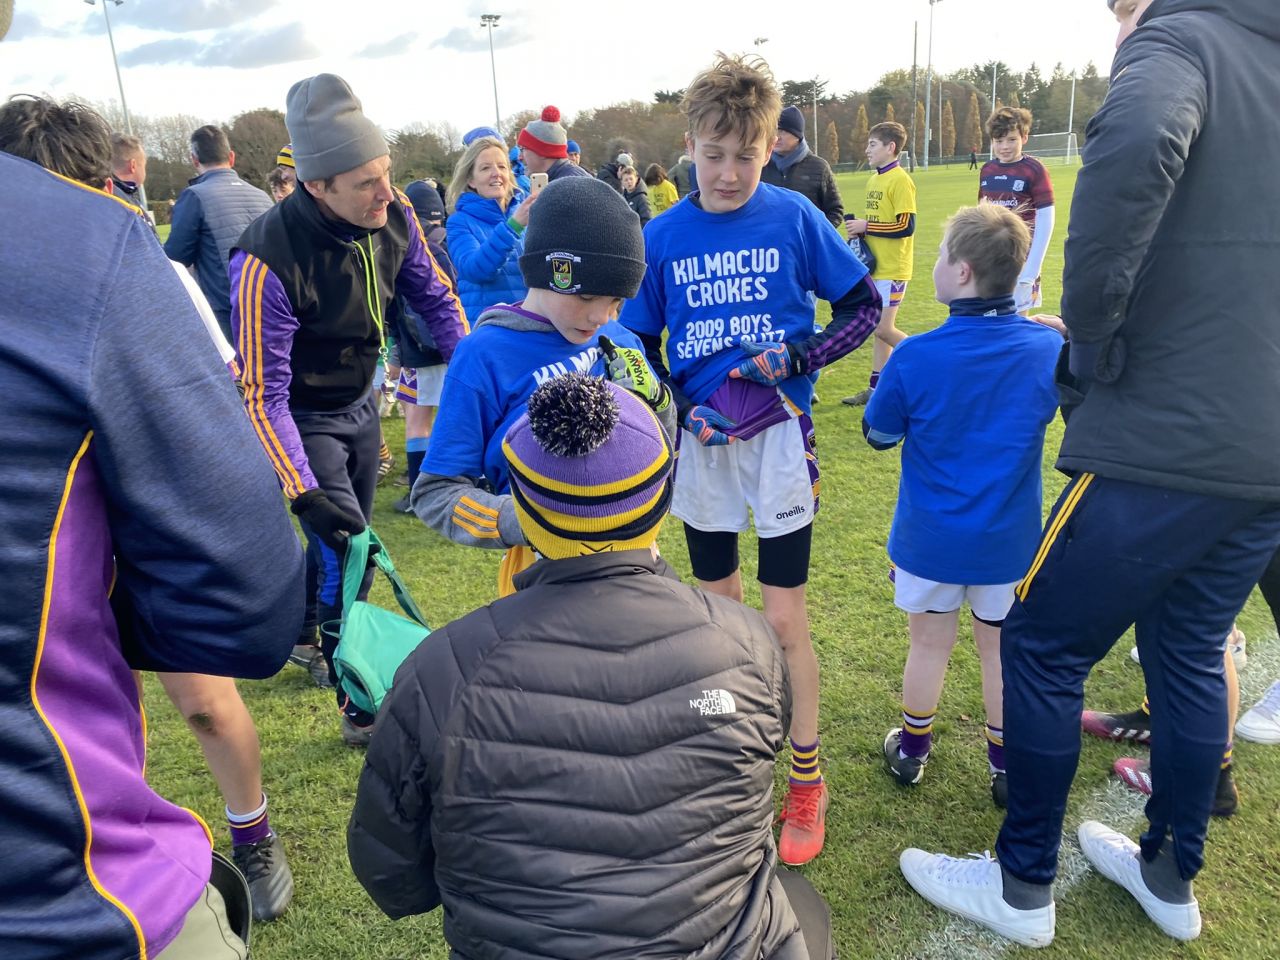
(1042, 200)
(428, 290)
(1135, 156)
(884, 424)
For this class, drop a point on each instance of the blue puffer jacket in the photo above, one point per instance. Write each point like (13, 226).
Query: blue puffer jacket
(486, 253)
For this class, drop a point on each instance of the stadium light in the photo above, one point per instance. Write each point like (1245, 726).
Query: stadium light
(490, 21)
(124, 106)
(760, 41)
(928, 88)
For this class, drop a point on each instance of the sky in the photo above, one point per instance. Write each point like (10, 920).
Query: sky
(415, 62)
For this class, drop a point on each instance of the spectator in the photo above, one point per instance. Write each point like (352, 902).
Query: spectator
(794, 167)
(544, 147)
(485, 231)
(575, 153)
(683, 176)
(611, 173)
(280, 184)
(676, 751)
(209, 217)
(634, 192)
(662, 192)
(129, 170)
(123, 548)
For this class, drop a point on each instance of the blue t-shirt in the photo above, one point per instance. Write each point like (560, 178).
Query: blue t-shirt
(716, 279)
(488, 383)
(971, 401)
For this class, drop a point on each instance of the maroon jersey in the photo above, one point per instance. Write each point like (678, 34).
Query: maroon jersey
(1022, 186)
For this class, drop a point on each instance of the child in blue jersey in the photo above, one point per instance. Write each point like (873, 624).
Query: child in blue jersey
(968, 515)
(732, 279)
(583, 256)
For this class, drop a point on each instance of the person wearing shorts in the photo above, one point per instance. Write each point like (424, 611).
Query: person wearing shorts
(968, 509)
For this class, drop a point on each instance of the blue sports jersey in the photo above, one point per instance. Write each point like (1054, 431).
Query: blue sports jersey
(486, 388)
(971, 401)
(716, 279)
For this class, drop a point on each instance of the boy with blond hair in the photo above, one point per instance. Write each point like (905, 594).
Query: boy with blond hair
(731, 279)
(968, 512)
(889, 228)
(1019, 183)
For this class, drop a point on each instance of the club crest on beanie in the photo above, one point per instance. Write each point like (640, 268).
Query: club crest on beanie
(590, 468)
(328, 129)
(583, 238)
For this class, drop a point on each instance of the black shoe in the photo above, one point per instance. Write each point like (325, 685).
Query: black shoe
(270, 879)
(402, 505)
(1226, 799)
(354, 735)
(908, 771)
(319, 670)
(859, 399)
(1000, 789)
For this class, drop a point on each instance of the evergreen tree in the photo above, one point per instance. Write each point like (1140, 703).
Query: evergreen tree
(833, 144)
(888, 112)
(861, 126)
(947, 137)
(973, 126)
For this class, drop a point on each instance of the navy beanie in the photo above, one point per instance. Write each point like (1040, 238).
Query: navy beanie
(792, 121)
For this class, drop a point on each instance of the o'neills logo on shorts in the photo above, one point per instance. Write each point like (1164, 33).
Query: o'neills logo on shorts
(788, 514)
(714, 703)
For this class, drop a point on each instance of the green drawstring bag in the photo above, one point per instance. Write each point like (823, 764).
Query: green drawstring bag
(373, 642)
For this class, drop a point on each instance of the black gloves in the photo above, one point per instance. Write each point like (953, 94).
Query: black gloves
(330, 522)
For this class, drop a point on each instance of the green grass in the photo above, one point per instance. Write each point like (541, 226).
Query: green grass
(861, 642)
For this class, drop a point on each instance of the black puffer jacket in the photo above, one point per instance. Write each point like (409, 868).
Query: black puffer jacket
(1172, 286)
(812, 177)
(583, 770)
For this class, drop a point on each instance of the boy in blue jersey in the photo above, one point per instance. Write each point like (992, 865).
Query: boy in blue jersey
(583, 256)
(732, 279)
(968, 514)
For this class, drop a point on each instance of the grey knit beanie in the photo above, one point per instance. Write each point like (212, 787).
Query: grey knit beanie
(583, 238)
(329, 130)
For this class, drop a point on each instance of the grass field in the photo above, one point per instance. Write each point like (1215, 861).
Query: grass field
(861, 641)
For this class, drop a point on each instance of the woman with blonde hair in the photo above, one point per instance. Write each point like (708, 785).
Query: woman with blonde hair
(485, 231)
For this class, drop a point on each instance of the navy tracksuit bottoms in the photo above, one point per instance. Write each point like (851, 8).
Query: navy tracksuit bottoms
(1178, 567)
(342, 451)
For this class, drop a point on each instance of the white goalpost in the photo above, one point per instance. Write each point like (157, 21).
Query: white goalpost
(1061, 147)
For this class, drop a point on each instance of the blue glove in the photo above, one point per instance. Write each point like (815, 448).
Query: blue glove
(709, 427)
(767, 363)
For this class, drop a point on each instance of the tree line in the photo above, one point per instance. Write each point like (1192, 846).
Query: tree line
(653, 131)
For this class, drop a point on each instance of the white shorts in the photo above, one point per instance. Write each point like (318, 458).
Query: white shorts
(891, 292)
(774, 474)
(421, 387)
(918, 595)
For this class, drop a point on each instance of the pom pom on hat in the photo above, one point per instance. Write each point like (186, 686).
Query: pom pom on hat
(572, 415)
(551, 114)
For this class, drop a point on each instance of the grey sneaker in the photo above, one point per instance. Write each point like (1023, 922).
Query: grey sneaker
(270, 880)
(402, 505)
(859, 399)
(908, 771)
(354, 736)
(319, 670)
(303, 654)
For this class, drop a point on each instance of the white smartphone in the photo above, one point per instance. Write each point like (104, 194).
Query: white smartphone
(537, 181)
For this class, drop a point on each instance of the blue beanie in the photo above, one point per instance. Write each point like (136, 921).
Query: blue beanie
(477, 133)
(572, 147)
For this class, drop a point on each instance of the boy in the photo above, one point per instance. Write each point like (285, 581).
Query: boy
(1021, 184)
(889, 228)
(732, 276)
(583, 256)
(969, 502)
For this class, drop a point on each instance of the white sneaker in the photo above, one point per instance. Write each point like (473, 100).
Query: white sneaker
(1115, 856)
(1237, 643)
(1262, 722)
(974, 889)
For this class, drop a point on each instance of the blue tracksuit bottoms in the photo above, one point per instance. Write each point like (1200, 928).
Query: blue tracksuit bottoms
(1178, 567)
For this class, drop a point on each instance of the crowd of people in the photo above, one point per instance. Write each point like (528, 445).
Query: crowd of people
(584, 767)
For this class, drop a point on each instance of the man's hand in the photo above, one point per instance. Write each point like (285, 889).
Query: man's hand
(628, 368)
(767, 363)
(330, 522)
(709, 427)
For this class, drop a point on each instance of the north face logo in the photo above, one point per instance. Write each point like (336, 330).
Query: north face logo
(714, 703)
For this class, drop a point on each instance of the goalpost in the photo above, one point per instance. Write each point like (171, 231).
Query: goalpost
(1054, 146)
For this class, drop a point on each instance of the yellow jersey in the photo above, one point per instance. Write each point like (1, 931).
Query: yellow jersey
(891, 203)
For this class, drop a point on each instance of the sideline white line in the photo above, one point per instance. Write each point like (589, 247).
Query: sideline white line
(1113, 804)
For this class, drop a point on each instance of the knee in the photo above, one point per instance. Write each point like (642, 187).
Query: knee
(791, 626)
(202, 722)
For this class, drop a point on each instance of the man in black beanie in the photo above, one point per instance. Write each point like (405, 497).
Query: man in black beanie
(583, 255)
(794, 167)
(311, 280)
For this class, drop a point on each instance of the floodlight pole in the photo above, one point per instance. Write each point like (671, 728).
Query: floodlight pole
(1071, 114)
(915, 94)
(124, 106)
(490, 21)
(928, 87)
(814, 146)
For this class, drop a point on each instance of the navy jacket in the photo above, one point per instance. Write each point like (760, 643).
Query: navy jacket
(141, 528)
(208, 218)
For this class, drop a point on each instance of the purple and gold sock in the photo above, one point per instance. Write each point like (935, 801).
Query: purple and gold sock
(804, 765)
(995, 748)
(917, 733)
(251, 827)
(1226, 755)
(1146, 706)
(875, 379)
